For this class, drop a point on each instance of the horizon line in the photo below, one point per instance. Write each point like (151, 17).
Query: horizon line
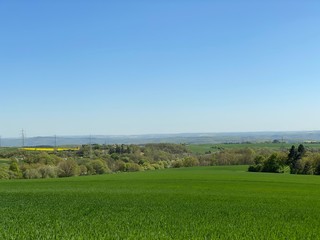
(159, 134)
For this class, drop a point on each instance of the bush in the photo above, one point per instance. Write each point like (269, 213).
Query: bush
(177, 163)
(14, 170)
(259, 159)
(308, 168)
(4, 173)
(165, 164)
(207, 160)
(157, 166)
(255, 168)
(31, 173)
(83, 170)
(48, 171)
(99, 167)
(67, 168)
(273, 164)
(317, 166)
(133, 167)
(148, 166)
(190, 162)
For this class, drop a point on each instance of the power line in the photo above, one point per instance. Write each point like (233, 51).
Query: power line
(22, 137)
(90, 145)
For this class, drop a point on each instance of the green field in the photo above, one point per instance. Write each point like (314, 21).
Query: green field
(203, 148)
(4, 161)
(186, 203)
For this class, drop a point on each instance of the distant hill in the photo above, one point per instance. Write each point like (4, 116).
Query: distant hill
(188, 138)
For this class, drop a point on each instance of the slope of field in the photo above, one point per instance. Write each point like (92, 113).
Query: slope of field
(4, 161)
(203, 148)
(189, 203)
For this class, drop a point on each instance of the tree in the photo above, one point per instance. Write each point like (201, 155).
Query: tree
(4, 173)
(292, 154)
(31, 173)
(67, 168)
(48, 171)
(258, 164)
(317, 166)
(294, 159)
(14, 167)
(83, 170)
(99, 166)
(273, 164)
(190, 161)
(14, 170)
(301, 151)
(308, 168)
(118, 149)
(259, 159)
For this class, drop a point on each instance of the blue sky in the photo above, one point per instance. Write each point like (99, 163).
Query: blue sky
(135, 67)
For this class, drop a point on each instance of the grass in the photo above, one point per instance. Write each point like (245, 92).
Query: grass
(203, 148)
(188, 203)
(4, 161)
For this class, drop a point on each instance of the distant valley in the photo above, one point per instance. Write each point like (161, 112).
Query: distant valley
(186, 138)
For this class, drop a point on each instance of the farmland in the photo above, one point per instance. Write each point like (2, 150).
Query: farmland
(84, 160)
(203, 148)
(50, 149)
(187, 203)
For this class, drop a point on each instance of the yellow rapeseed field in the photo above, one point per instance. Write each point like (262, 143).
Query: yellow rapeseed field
(47, 149)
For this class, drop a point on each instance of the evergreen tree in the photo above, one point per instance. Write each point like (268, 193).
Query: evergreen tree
(301, 151)
(292, 154)
(294, 159)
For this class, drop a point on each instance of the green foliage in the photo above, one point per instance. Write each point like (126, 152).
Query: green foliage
(100, 159)
(274, 164)
(99, 166)
(259, 159)
(4, 172)
(31, 173)
(132, 167)
(177, 163)
(190, 161)
(48, 171)
(83, 170)
(234, 156)
(14, 167)
(256, 168)
(295, 162)
(298, 160)
(14, 170)
(308, 168)
(213, 148)
(68, 168)
(207, 160)
(167, 147)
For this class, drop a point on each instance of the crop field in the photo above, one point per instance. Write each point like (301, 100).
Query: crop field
(50, 149)
(4, 161)
(185, 203)
(203, 148)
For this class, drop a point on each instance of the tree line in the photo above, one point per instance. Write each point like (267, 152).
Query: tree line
(100, 159)
(297, 161)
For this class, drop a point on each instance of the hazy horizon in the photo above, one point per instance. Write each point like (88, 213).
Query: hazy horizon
(133, 68)
(18, 136)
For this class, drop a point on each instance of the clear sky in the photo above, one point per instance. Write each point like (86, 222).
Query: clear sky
(135, 67)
